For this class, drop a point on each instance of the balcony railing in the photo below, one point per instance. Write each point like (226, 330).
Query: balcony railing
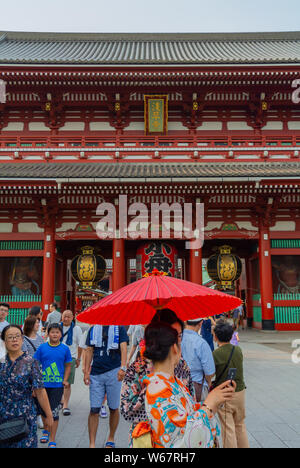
(169, 141)
(9, 299)
(18, 316)
(143, 148)
(21, 245)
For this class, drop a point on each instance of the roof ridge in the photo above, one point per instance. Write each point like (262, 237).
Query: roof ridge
(152, 37)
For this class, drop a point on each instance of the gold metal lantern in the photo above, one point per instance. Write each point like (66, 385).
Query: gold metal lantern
(224, 267)
(88, 269)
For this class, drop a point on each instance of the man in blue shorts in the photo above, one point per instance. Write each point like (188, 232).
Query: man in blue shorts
(105, 367)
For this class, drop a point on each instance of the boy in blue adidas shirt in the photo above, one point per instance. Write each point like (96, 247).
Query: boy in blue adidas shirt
(56, 359)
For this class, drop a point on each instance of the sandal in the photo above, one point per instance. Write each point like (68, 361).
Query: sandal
(66, 412)
(110, 445)
(45, 437)
(52, 445)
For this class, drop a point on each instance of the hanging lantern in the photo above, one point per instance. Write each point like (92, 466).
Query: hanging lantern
(224, 267)
(156, 255)
(88, 269)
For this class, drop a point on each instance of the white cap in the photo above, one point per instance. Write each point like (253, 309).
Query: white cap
(195, 320)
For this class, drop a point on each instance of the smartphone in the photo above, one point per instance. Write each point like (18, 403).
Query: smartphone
(44, 329)
(231, 374)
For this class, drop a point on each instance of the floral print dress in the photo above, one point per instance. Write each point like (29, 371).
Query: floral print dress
(176, 420)
(18, 379)
(134, 389)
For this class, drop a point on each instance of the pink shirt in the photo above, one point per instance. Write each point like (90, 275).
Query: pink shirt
(234, 339)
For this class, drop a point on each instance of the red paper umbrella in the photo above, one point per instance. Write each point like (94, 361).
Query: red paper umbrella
(137, 303)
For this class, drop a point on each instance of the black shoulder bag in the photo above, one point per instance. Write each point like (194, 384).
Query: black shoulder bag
(14, 430)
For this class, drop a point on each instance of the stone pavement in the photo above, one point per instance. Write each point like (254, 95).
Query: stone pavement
(273, 381)
(273, 398)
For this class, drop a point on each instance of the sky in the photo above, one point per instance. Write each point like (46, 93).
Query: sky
(150, 15)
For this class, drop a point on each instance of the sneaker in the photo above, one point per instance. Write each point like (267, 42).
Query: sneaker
(103, 412)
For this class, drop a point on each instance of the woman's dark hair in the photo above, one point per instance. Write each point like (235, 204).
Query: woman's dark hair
(159, 338)
(167, 316)
(3, 304)
(5, 330)
(223, 331)
(35, 310)
(29, 324)
(56, 326)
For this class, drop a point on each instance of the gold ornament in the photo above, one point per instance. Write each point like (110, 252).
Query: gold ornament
(224, 268)
(88, 269)
(264, 106)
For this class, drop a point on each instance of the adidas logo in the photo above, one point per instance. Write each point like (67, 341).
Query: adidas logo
(52, 375)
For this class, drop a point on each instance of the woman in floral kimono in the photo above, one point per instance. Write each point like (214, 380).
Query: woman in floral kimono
(133, 389)
(175, 420)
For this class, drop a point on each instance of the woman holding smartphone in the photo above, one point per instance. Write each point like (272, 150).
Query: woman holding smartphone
(175, 419)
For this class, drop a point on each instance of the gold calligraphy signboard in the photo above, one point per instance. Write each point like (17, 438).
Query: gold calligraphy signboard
(156, 114)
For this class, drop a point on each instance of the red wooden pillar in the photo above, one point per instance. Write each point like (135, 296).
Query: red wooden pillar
(196, 266)
(249, 292)
(238, 288)
(128, 271)
(119, 264)
(73, 295)
(48, 289)
(266, 286)
(63, 285)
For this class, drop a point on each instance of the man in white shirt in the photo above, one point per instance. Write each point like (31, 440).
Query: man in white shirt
(4, 311)
(72, 335)
(54, 316)
(2, 350)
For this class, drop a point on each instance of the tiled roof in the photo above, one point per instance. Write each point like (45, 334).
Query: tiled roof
(144, 171)
(104, 49)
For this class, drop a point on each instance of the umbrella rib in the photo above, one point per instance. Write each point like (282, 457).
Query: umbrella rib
(148, 286)
(174, 285)
(129, 294)
(132, 297)
(156, 281)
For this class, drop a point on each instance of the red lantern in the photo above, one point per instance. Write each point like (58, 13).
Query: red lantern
(156, 255)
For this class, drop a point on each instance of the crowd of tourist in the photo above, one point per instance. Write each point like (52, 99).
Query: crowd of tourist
(180, 385)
